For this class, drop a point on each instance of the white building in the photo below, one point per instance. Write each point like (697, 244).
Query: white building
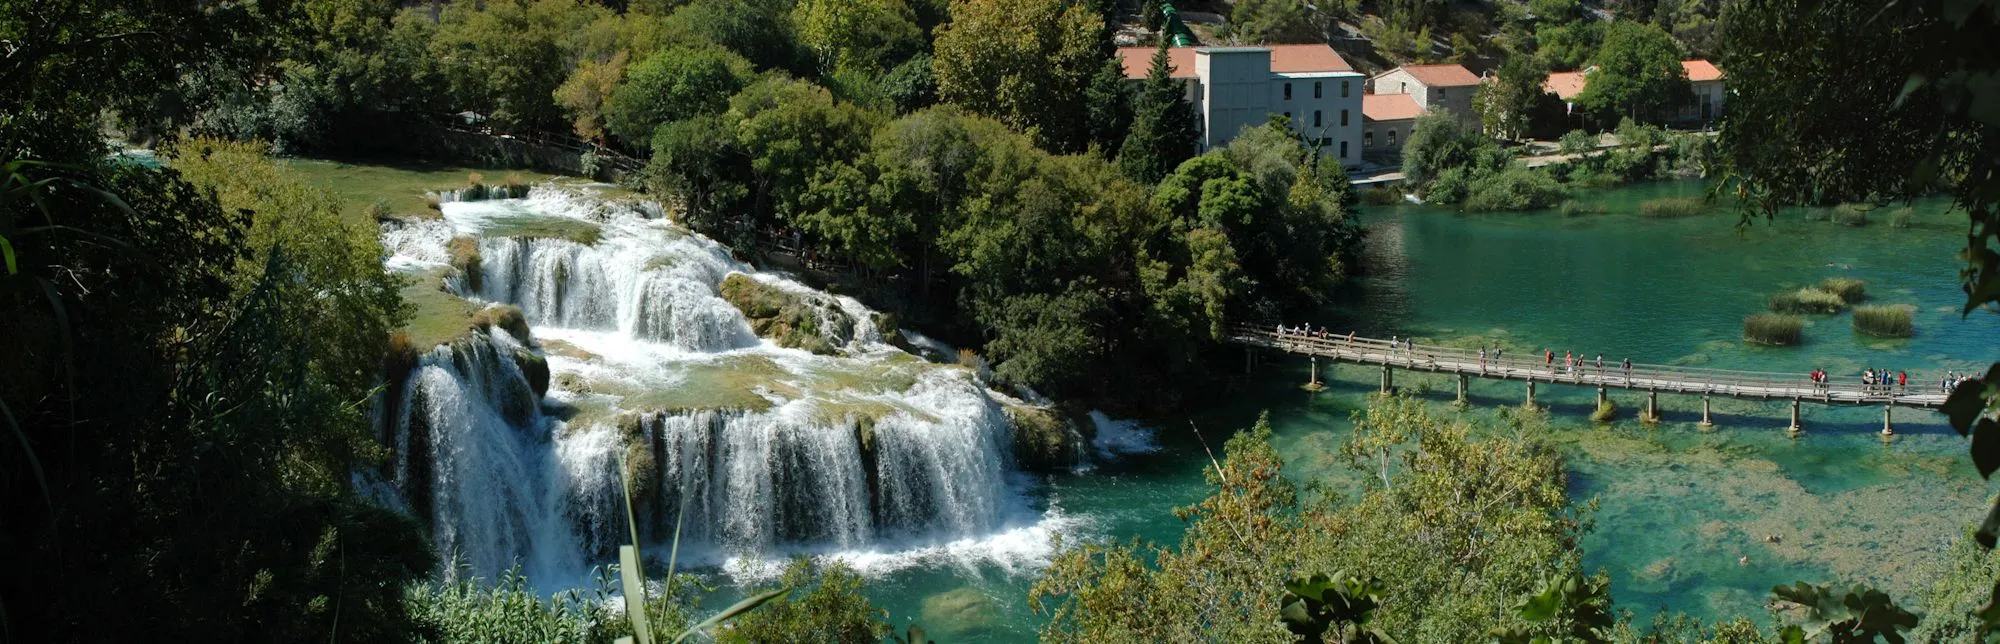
(1704, 79)
(1232, 88)
(1435, 88)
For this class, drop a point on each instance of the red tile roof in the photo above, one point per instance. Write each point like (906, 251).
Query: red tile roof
(1445, 75)
(1389, 107)
(1565, 85)
(1285, 59)
(1701, 70)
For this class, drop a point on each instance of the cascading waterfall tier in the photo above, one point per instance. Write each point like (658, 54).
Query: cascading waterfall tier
(756, 449)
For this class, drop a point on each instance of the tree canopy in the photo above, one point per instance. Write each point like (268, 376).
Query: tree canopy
(1638, 73)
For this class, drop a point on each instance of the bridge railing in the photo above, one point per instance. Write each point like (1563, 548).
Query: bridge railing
(1539, 366)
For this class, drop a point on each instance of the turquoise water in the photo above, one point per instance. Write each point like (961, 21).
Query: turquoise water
(1679, 506)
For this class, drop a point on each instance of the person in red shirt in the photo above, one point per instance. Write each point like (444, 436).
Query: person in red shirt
(1902, 380)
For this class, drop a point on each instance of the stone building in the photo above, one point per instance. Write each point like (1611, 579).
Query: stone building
(1232, 88)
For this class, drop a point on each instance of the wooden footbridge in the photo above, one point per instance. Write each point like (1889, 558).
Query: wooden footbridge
(1539, 368)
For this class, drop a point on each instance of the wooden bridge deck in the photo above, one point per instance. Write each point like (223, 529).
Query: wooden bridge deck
(1921, 392)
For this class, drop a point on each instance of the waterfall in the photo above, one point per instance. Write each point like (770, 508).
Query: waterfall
(758, 450)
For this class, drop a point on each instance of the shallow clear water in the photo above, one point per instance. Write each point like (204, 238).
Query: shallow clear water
(1679, 506)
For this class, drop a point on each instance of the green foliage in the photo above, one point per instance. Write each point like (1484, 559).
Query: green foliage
(866, 35)
(1569, 45)
(1516, 188)
(1892, 321)
(1605, 412)
(1163, 126)
(1109, 102)
(1338, 605)
(758, 30)
(505, 59)
(1861, 614)
(1438, 142)
(1578, 141)
(674, 84)
(911, 86)
(788, 318)
(1639, 74)
(1506, 104)
(1578, 607)
(1025, 63)
(786, 130)
(833, 610)
(1283, 21)
(1956, 588)
(1776, 329)
(1672, 207)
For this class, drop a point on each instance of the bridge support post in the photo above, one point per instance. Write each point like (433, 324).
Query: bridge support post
(1388, 380)
(1313, 384)
(1652, 407)
(1887, 429)
(1796, 427)
(1602, 397)
(1531, 393)
(1705, 424)
(1461, 388)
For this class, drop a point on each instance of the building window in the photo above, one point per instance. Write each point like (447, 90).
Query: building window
(1343, 149)
(1343, 89)
(1325, 140)
(1406, 88)
(1316, 118)
(1392, 137)
(1343, 118)
(1315, 89)
(1288, 91)
(1440, 93)
(1368, 139)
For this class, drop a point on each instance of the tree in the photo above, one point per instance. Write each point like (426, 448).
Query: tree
(1163, 125)
(1276, 21)
(755, 29)
(1109, 101)
(833, 610)
(1439, 142)
(866, 35)
(699, 160)
(676, 83)
(1639, 74)
(787, 129)
(1507, 103)
(1027, 64)
(911, 86)
(586, 93)
(505, 60)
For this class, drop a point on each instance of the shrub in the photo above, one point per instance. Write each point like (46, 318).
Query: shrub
(1892, 321)
(475, 188)
(1901, 218)
(1668, 207)
(1450, 186)
(431, 201)
(1576, 141)
(1516, 188)
(1848, 289)
(465, 257)
(1819, 214)
(377, 210)
(1774, 329)
(1848, 214)
(1594, 179)
(505, 317)
(1605, 412)
(515, 188)
(1381, 196)
(1574, 208)
(1808, 300)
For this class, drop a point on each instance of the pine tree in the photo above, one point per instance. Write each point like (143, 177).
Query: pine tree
(1163, 127)
(1110, 104)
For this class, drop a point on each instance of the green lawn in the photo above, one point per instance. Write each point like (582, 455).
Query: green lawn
(402, 185)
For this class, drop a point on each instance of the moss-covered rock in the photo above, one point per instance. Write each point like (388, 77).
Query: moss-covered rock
(1044, 440)
(505, 317)
(465, 259)
(792, 320)
(536, 368)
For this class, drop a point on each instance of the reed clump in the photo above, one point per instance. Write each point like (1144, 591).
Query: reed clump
(1901, 218)
(1774, 329)
(1807, 300)
(1849, 290)
(1606, 412)
(1574, 208)
(466, 260)
(1890, 321)
(1848, 214)
(1670, 207)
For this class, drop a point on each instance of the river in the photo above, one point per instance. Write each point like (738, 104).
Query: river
(867, 452)
(1679, 506)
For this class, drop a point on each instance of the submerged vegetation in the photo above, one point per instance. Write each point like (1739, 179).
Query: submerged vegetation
(1775, 329)
(1890, 321)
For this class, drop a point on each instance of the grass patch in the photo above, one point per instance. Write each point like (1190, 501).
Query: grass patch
(1807, 300)
(543, 227)
(1849, 290)
(788, 318)
(1669, 207)
(1853, 215)
(438, 316)
(1774, 329)
(1381, 196)
(1891, 321)
(1574, 208)
(400, 189)
(1605, 412)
